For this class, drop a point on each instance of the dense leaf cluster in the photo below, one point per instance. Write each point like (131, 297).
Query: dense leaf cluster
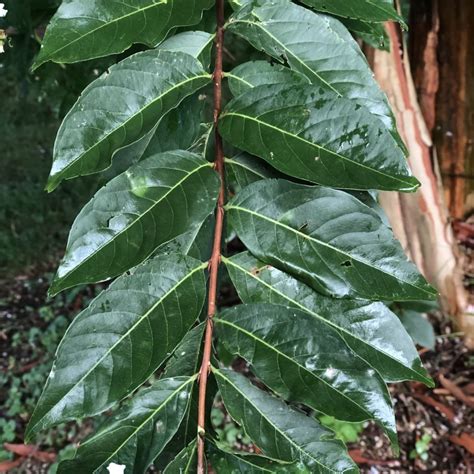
(308, 136)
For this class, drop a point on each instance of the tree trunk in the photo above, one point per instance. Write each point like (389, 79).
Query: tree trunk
(420, 220)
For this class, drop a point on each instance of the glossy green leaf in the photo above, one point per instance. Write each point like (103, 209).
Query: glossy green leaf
(186, 118)
(120, 107)
(198, 44)
(370, 329)
(124, 335)
(153, 202)
(185, 462)
(137, 433)
(243, 169)
(326, 238)
(196, 243)
(257, 73)
(225, 461)
(305, 360)
(368, 10)
(374, 34)
(185, 360)
(313, 134)
(318, 46)
(82, 30)
(279, 431)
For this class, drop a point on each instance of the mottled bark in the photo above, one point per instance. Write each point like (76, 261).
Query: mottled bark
(420, 220)
(448, 110)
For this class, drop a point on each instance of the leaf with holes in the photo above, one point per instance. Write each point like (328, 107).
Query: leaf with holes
(326, 238)
(148, 205)
(312, 134)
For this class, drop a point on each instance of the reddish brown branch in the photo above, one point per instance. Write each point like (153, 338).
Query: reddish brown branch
(215, 260)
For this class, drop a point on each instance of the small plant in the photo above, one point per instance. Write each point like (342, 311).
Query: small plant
(285, 166)
(422, 447)
(347, 432)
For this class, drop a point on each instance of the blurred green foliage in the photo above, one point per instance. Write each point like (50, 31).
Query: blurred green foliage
(34, 224)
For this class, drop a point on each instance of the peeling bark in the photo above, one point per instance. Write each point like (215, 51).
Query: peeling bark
(420, 220)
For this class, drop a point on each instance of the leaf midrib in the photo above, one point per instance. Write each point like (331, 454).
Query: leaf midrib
(237, 163)
(315, 145)
(265, 416)
(285, 356)
(129, 331)
(316, 315)
(140, 217)
(293, 55)
(105, 25)
(147, 420)
(324, 244)
(55, 177)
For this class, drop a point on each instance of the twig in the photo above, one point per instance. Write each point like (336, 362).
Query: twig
(215, 260)
(446, 411)
(456, 391)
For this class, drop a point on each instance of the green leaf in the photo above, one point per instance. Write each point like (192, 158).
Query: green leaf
(137, 433)
(225, 461)
(256, 73)
(197, 44)
(279, 431)
(243, 169)
(313, 134)
(318, 46)
(82, 30)
(185, 360)
(150, 204)
(196, 243)
(368, 10)
(186, 118)
(120, 107)
(327, 239)
(419, 328)
(370, 329)
(305, 360)
(162, 137)
(374, 34)
(185, 462)
(124, 335)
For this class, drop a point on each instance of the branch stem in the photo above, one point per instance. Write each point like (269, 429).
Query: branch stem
(215, 260)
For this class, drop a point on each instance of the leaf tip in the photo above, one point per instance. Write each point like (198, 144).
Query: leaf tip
(51, 184)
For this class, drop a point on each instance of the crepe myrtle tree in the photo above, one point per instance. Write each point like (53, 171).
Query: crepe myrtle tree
(286, 168)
